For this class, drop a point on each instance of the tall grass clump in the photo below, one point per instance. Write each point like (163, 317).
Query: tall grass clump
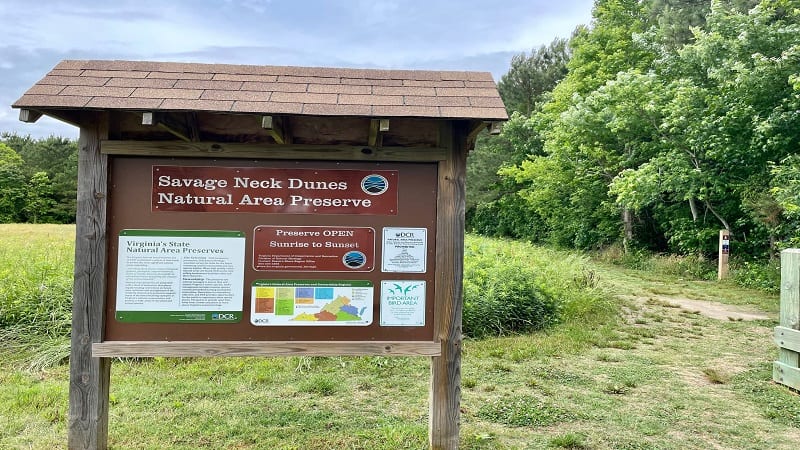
(515, 287)
(36, 277)
(696, 267)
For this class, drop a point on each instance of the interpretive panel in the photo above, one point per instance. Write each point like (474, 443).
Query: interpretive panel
(180, 276)
(266, 190)
(311, 302)
(313, 249)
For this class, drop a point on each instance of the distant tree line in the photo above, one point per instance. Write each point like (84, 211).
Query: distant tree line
(38, 179)
(655, 126)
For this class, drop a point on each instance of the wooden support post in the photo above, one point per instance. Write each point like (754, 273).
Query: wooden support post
(724, 254)
(88, 376)
(786, 369)
(445, 388)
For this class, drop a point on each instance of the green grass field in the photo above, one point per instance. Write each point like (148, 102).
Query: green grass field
(650, 376)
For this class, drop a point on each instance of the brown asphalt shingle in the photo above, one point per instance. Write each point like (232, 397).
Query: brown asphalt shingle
(137, 85)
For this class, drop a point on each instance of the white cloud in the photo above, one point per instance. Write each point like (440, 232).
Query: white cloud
(425, 34)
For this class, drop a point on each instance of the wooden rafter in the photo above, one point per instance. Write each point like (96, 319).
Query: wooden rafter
(186, 130)
(376, 128)
(275, 127)
(495, 128)
(29, 115)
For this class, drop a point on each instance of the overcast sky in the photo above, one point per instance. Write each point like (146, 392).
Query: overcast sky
(391, 34)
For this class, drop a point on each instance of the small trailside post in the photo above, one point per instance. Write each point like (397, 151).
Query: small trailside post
(786, 370)
(724, 254)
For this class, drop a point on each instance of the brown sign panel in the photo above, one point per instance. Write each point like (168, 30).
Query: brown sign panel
(313, 249)
(414, 203)
(272, 190)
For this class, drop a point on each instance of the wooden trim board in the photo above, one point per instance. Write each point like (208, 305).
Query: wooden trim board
(266, 151)
(264, 348)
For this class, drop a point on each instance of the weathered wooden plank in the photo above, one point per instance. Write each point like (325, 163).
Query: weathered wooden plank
(787, 338)
(786, 375)
(445, 388)
(89, 376)
(171, 149)
(790, 301)
(264, 348)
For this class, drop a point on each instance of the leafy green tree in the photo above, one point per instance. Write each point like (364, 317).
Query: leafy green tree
(531, 77)
(38, 198)
(493, 204)
(730, 110)
(58, 158)
(12, 185)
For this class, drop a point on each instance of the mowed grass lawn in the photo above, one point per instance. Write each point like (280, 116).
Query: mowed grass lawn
(654, 376)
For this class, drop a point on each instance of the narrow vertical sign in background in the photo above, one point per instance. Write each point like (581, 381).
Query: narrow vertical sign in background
(180, 276)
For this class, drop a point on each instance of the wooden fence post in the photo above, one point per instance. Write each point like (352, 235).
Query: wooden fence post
(787, 335)
(89, 377)
(445, 389)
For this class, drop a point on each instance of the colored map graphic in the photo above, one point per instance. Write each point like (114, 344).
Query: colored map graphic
(311, 302)
(339, 309)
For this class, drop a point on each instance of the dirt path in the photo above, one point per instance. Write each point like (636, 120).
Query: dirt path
(714, 310)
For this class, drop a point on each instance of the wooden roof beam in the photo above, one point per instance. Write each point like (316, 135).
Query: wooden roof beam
(29, 115)
(376, 128)
(188, 131)
(276, 127)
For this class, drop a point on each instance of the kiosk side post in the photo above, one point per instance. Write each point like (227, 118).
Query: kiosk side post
(89, 377)
(445, 389)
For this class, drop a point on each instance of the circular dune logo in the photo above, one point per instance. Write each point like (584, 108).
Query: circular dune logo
(374, 184)
(354, 259)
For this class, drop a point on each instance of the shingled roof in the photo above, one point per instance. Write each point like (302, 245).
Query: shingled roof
(140, 85)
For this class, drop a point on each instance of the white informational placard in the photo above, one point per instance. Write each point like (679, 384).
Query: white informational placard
(180, 276)
(402, 303)
(405, 250)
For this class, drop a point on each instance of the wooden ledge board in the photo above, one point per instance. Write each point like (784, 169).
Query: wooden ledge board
(266, 151)
(263, 348)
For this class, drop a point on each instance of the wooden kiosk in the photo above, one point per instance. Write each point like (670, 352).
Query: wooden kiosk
(229, 210)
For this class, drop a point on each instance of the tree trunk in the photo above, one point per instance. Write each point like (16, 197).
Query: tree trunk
(627, 226)
(720, 218)
(693, 208)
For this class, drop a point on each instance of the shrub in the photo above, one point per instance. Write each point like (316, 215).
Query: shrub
(762, 276)
(515, 287)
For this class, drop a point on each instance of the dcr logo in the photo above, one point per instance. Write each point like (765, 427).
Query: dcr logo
(404, 235)
(223, 316)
